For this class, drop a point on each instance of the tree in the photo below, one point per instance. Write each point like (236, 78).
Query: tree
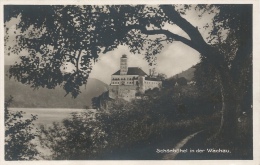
(87, 30)
(161, 76)
(77, 138)
(95, 102)
(19, 135)
(182, 81)
(169, 83)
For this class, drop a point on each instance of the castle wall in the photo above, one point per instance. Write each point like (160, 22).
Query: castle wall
(113, 91)
(141, 81)
(152, 84)
(128, 92)
(122, 91)
(127, 79)
(126, 86)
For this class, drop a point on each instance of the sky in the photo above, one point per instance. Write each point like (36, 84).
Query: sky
(174, 58)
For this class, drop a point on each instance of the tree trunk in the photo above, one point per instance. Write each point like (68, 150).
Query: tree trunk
(228, 125)
(229, 86)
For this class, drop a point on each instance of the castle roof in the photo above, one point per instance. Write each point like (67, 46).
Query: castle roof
(133, 71)
(152, 78)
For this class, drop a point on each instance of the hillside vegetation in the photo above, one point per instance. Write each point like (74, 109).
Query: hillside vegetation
(26, 97)
(187, 74)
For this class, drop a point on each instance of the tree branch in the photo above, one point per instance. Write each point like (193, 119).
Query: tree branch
(193, 32)
(78, 60)
(164, 32)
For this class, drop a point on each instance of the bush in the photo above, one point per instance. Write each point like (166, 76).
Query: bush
(19, 135)
(77, 138)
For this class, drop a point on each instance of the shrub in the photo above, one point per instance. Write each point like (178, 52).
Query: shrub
(19, 135)
(77, 138)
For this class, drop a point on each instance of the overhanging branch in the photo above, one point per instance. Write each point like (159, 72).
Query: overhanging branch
(167, 33)
(196, 38)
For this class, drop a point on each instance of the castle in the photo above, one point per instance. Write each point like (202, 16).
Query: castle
(127, 82)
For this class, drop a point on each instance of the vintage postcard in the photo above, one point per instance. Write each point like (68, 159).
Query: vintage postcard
(130, 82)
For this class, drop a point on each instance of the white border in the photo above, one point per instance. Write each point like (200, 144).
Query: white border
(256, 80)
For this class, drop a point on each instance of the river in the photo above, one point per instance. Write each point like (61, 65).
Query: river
(47, 116)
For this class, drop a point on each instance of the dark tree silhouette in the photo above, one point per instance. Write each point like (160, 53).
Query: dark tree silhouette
(77, 34)
(77, 138)
(19, 135)
(182, 81)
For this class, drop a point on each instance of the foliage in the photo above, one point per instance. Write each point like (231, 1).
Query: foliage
(169, 83)
(161, 76)
(19, 135)
(77, 34)
(100, 101)
(124, 124)
(58, 36)
(95, 102)
(79, 137)
(182, 81)
(151, 119)
(207, 81)
(87, 107)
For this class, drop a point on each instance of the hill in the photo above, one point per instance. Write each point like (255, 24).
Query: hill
(188, 74)
(26, 97)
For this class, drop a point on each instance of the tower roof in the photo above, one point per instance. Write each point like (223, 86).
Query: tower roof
(133, 71)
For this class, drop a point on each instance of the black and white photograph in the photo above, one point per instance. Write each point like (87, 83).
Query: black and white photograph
(128, 82)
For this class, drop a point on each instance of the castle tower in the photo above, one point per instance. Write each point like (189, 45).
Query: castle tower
(141, 80)
(123, 65)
